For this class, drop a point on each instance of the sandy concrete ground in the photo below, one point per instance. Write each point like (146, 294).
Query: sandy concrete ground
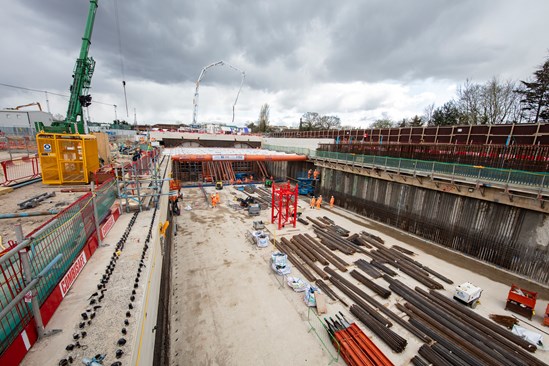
(105, 329)
(228, 307)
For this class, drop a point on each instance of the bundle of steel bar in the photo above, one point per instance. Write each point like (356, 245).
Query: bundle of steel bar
(380, 290)
(368, 268)
(359, 241)
(478, 320)
(354, 346)
(292, 248)
(334, 242)
(507, 321)
(418, 361)
(447, 321)
(383, 267)
(359, 297)
(303, 221)
(316, 222)
(393, 340)
(293, 258)
(403, 250)
(315, 246)
(433, 357)
(328, 291)
(372, 236)
(416, 273)
(396, 254)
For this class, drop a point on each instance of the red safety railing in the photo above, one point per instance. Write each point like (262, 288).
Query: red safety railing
(19, 170)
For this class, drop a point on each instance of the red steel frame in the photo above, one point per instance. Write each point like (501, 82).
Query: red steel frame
(283, 197)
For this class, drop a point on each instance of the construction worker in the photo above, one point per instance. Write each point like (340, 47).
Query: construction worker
(318, 202)
(309, 173)
(316, 173)
(332, 202)
(313, 202)
(214, 200)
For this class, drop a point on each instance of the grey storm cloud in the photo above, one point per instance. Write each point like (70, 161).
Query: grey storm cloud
(284, 46)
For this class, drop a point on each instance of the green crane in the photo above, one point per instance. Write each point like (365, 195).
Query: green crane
(82, 75)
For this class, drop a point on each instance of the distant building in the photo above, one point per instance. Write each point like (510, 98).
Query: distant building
(21, 123)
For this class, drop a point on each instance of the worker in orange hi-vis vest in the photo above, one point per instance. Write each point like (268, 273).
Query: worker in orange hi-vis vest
(318, 202)
(313, 202)
(332, 200)
(309, 173)
(316, 173)
(214, 200)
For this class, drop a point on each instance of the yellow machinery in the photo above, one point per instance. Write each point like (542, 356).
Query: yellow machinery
(67, 158)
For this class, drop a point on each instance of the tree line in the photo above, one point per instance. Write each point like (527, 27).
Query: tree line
(496, 101)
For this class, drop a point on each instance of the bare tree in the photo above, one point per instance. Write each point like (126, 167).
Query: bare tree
(428, 113)
(470, 97)
(493, 102)
(263, 121)
(499, 100)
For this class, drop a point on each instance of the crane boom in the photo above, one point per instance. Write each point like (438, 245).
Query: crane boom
(201, 76)
(82, 75)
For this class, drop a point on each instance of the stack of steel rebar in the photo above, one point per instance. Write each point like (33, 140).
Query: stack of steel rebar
(467, 336)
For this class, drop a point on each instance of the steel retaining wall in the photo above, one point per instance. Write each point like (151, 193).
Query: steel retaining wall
(508, 237)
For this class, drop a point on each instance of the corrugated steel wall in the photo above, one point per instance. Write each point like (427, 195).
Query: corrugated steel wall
(506, 236)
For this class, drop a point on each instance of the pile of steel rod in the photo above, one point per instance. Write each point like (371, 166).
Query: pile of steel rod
(469, 337)
(368, 268)
(380, 290)
(360, 298)
(393, 340)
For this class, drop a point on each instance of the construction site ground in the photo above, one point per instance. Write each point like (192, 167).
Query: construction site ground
(9, 205)
(229, 308)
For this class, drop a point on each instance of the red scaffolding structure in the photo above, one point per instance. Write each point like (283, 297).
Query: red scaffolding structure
(284, 204)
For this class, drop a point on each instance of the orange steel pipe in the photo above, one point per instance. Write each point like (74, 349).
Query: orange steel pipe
(367, 345)
(209, 157)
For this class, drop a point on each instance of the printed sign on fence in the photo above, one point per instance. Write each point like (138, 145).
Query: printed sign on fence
(107, 226)
(72, 273)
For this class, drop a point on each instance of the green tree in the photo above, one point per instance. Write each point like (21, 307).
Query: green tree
(535, 95)
(415, 121)
(263, 121)
(383, 123)
(446, 115)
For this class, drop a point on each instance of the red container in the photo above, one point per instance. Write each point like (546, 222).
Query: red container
(528, 299)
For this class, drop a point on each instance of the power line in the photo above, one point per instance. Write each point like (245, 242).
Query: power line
(46, 91)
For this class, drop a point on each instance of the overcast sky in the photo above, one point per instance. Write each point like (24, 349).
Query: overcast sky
(359, 60)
